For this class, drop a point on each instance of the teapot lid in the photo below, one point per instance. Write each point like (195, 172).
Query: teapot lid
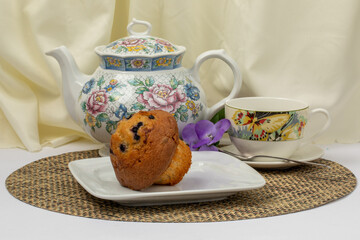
(140, 44)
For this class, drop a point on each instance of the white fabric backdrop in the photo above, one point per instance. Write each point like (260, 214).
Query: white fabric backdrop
(308, 50)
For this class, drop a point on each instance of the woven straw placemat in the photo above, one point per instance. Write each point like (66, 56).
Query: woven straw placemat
(47, 183)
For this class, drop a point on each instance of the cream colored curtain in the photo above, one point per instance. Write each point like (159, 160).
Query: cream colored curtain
(32, 112)
(307, 50)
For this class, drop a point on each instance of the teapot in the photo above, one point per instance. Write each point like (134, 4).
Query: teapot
(138, 72)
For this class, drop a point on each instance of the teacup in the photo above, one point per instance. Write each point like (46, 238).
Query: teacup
(270, 126)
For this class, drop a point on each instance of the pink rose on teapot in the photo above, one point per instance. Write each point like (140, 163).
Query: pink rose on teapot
(162, 97)
(97, 102)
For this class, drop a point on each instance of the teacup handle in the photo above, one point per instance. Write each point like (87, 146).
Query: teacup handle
(324, 112)
(221, 54)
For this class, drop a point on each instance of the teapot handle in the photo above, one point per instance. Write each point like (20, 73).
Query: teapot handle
(221, 54)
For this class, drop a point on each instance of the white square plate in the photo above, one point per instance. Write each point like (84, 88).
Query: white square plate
(212, 176)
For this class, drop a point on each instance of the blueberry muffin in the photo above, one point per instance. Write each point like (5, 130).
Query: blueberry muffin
(142, 147)
(179, 166)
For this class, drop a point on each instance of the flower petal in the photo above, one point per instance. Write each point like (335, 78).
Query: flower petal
(223, 124)
(146, 95)
(168, 108)
(189, 135)
(201, 142)
(204, 129)
(159, 100)
(152, 103)
(172, 98)
(221, 127)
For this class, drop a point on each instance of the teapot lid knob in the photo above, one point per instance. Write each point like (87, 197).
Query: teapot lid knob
(134, 22)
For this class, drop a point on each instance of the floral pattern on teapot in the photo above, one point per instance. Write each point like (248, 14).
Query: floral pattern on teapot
(99, 99)
(140, 46)
(140, 54)
(141, 63)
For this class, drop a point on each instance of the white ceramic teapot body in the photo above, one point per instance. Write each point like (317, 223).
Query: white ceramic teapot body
(128, 81)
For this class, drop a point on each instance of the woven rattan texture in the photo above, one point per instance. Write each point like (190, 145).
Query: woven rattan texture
(47, 183)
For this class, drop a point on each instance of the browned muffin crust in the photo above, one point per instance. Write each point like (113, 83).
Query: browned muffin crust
(179, 166)
(142, 147)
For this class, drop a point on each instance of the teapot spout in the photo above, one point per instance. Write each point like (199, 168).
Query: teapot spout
(72, 79)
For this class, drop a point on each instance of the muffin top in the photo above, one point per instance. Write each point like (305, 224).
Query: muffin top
(142, 147)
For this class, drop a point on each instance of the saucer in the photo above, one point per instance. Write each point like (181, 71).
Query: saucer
(212, 176)
(308, 152)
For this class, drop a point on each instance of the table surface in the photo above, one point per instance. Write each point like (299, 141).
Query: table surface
(337, 220)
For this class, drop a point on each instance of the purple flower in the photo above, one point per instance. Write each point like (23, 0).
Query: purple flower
(202, 135)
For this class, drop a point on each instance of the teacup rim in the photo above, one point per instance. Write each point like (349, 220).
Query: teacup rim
(305, 105)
